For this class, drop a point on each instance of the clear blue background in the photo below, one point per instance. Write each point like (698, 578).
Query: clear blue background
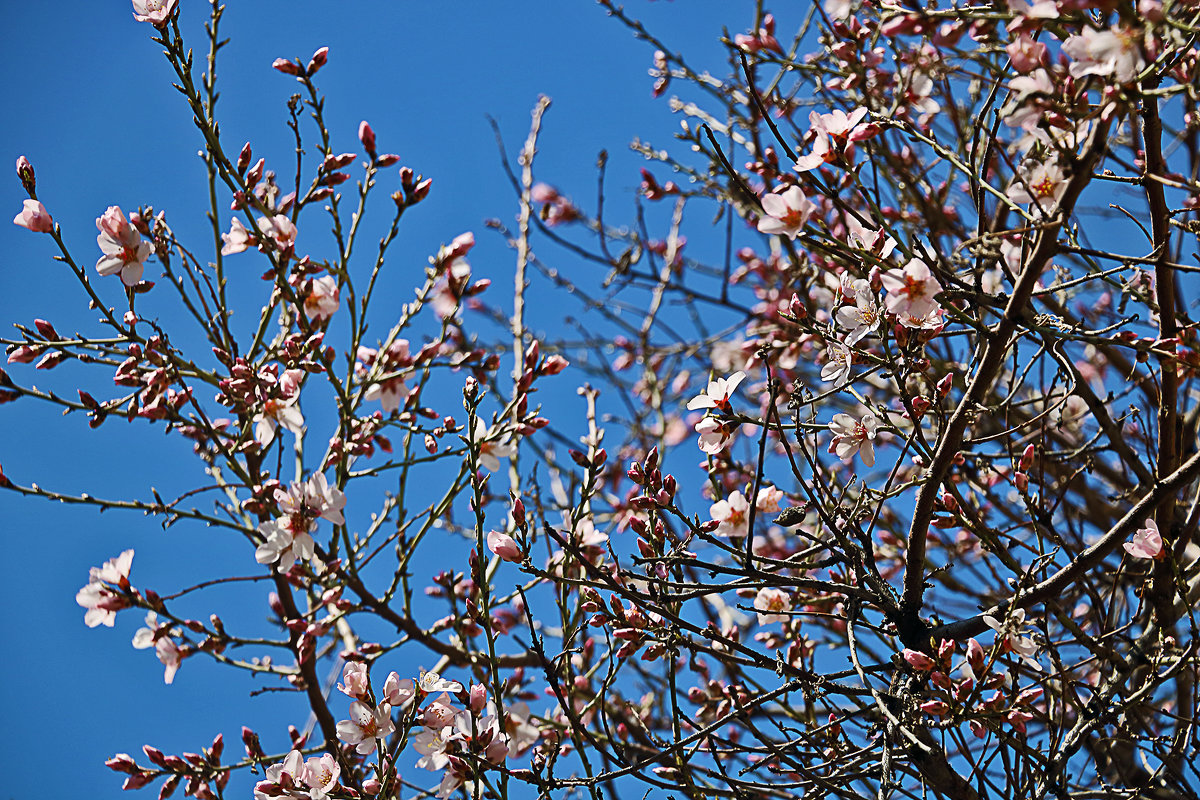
(89, 101)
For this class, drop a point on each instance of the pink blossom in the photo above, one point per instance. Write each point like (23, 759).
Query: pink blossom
(365, 725)
(34, 217)
(875, 240)
(1042, 184)
(432, 745)
(156, 12)
(838, 9)
(1146, 543)
(1009, 631)
(238, 238)
(769, 499)
(717, 394)
(170, 655)
(1026, 54)
(491, 450)
(356, 683)
(283, 543)
(713, 435)
(733, 514)
(397, 691)
(1114, 53)
(288, 538)
(787, 213)
(862, 317)
(322, 301)
(124, 251)
(276, 412)
(287, 774)
(505, 546)
(839, 361)
(852, 436)
(440, 713)
(101, 602)
(1040, 9)
(911, 290)
(145, 637)
(280, 228)
(836, 133)
(769, 603)
(321, 775)
(431, 682)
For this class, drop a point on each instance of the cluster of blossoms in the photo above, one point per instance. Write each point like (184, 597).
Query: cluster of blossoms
(452, 740)
(294, 777)
(288, 538)
(715, 433)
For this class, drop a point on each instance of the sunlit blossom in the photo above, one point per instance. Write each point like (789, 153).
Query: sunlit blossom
(1146, 543)
(769, 603)
(733, 514)
(911, 290)
(238, 238)
(125, 252)
(718, 393)
(322, 301)
(365, 726)
(838, 362)
(1114, 53)
(852, 436)
(835, 135)
(101, 602)
(34, 217)
(156, 12)
(786, 213)
(861, 318)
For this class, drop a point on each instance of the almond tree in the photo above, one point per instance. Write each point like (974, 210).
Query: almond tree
(903, 485)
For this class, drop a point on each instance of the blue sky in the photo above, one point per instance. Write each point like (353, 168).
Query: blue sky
(90, 103)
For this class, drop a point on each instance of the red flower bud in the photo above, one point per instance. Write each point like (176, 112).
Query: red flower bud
(286, 67)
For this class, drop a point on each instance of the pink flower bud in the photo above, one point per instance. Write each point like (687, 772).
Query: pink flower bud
(34, 217)
(367, 136)
(917, 660)
(1027, 457)
(945, 385)
(934, 707)
(975, 654)
(318, 60)
(554, 364)
(1025, 54)
(286, 67)
(387, 160)
(22, 355)
(796, 307)
(1021, 480)
(505, 546)
(25, 173)
(244, 157)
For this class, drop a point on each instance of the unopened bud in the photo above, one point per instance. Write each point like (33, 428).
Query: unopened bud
(367, 136)
(318, 60)
(286, 67)
(28, 179)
